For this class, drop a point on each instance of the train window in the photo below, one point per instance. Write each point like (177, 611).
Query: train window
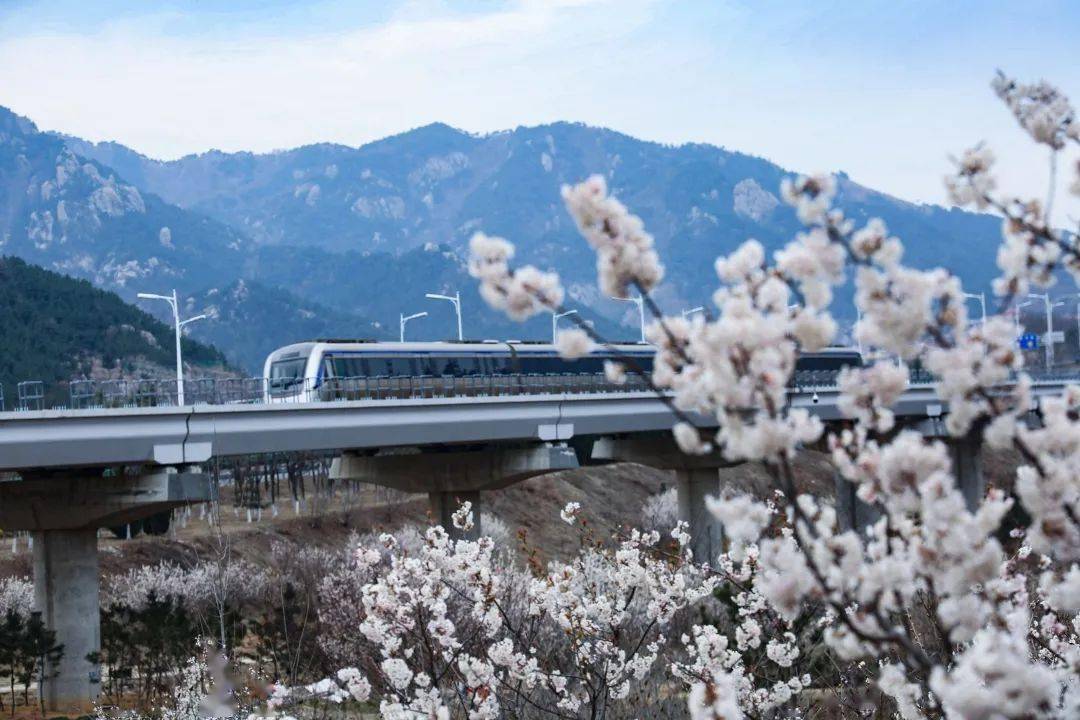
(380, 366)
(591, 365)
(530, 365)
(469, 365)
(827, 362)
(645, 362)
(430, 365)
(287, 373)
(503, 365)
(348, 366)
(393, 366)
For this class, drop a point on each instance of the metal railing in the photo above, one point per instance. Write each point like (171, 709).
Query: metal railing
(31, 395)
(91, 394)
(105, 394)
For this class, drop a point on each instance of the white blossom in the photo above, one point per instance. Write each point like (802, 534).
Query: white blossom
(574, 343)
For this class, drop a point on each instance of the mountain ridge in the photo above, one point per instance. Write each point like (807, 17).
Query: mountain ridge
(365, 231)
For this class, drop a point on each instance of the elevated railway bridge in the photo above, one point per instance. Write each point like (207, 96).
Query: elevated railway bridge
(116, 453)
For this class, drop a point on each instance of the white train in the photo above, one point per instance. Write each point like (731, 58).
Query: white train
(309, 370)
(335, 369)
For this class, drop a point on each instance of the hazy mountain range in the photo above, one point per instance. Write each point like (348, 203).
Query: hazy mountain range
(329, 239)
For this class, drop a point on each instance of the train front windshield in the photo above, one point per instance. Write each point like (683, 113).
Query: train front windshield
(286, 375)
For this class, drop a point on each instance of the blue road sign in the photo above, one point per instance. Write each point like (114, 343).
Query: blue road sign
(1028, 341)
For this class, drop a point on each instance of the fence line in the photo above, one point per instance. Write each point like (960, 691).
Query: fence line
(98, 394)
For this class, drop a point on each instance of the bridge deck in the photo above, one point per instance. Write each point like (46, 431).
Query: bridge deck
(176, 435)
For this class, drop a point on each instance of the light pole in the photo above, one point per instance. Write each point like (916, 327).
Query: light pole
(406, 318)
(981, 297)
(856, 333)
(1016, 317)
(640, 301)
(555, 322)
(692, 311)
(456, 300)
(179, 324)
(1077, 296)
(1078, 323)
(1045, 297)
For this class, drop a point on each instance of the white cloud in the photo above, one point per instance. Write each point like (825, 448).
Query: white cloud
(168, 95)
(812, 89)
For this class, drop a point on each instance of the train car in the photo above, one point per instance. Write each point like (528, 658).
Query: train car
(821, 368)
(351, 369)
(323, 369)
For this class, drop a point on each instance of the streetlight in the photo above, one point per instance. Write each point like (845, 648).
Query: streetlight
(855, 330)
(456, 300)
(1077, 296)
(640, 301)
(1016, 317)
(981, 297)
(406, 318)
(171, 299)
(1045, 297)
(692, 311)
(555, 322)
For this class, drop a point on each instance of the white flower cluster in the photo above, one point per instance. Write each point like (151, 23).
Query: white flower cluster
(624, 250)
(1032, 249)
(867, 394)
(574, 343)
(16, 596)
(1042, 110)
(449, 631)
(899, 305)
(570, 512)
(972, 183)
(727, 681)
(194, 588)
(981, 358)
(521, 293)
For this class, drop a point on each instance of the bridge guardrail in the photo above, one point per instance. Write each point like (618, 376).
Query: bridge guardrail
(31, 395)
(105, 394)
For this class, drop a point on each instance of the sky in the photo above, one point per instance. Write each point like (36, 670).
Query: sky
(885, 91)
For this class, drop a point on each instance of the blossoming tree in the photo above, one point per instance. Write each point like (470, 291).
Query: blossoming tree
(957, 624)
(936, 607)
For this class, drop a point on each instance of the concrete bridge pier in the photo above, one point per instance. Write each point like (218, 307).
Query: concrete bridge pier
(851, 512)
(696, 477)
(64, 512)
(66, 594)
(453, 476)
(966, 455)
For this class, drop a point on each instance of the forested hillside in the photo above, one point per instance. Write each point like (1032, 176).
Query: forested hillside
(54, 328)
